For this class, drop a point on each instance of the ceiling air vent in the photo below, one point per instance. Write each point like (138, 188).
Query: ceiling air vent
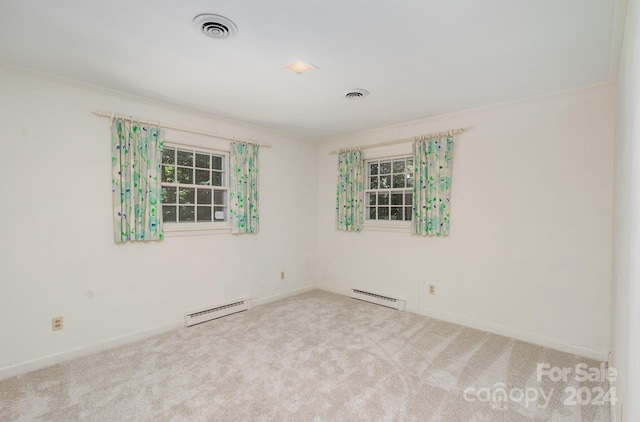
(214, 26)
(356, 94)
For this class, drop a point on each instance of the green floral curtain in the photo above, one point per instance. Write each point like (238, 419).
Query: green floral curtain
(432, 186)
(136, 151)
(243, 188)
(350, 191)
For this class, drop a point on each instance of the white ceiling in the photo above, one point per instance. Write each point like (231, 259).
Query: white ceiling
(418, 58)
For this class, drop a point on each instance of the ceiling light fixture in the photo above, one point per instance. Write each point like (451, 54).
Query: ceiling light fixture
(356, 94)
(214, 26)
(299, 67)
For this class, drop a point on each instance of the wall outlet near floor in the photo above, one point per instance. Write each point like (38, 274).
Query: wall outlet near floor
(281, 275)
(56, 323)
(432, 289)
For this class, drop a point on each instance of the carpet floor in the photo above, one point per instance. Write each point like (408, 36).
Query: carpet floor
(315, 356)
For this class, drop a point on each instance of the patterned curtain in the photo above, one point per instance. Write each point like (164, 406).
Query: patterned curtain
(350, 191)
(432, 186)
(136, 151)
(243, 188)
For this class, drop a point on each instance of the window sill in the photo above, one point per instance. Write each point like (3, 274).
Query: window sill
(177, 230)
(402, 227)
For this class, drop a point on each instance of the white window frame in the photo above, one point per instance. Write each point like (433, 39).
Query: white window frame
(384, 225)
(200, 228)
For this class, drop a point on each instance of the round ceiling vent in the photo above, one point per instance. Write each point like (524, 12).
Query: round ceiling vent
(214, 26)
(356, 94)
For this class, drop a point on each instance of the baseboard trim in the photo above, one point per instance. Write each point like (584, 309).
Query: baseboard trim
(39, 363)
(43, 362)
(283, 295)
(337, 290)
(499, 330)
(549, 342)
(50, 360)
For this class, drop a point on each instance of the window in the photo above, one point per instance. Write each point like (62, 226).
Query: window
(389, 189)
(194, 185)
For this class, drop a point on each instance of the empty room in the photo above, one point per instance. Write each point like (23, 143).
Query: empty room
(320, 211)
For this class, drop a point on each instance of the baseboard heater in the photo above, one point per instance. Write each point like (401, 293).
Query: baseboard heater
(207, 314)
(390, 302)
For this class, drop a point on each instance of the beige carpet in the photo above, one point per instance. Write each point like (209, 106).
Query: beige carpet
(315, 356)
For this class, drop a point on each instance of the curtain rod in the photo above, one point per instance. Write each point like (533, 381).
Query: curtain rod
(400, 141)
(111, 115)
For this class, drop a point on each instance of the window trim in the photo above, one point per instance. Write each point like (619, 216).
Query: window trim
(177, 229)
(387, 226)
(402, 226)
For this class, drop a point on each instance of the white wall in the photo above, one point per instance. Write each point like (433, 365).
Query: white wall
(529, 254)
(57, 253)
(625, 307)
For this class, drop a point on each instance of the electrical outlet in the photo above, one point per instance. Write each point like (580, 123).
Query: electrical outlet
(281, 275)
(432, 289)
(56, 323)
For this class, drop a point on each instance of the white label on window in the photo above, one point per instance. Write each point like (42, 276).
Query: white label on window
(219, 215)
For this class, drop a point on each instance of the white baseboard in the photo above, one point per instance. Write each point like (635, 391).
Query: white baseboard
(283, 295)
(496, 329)
(337, 290)
(35, 364)
(43, 362)
(518, 335)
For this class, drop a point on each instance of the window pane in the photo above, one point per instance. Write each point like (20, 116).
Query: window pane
(398, 180)
(396, 213)
(383, 213)
(396, 199)
(383, 199)
(169, 213)
(216, 162)
(410, 182)
(371, 213)
(203, 160)
(185, 175)
(373, 168)
(216, 178)
(186, 167)
(385, 182)
(187, 213)
(202, 177)
(373, 182)
(398, 166)
(219, 197)
(385, 167)
(204, 213)
(168, 195)
(410, 162)
(371, 198)
(187, 196)
(204, 196)
(408, 199)
(219, 213)
(168, 156)
(408, 212)
(185, 158)
(168, 174)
